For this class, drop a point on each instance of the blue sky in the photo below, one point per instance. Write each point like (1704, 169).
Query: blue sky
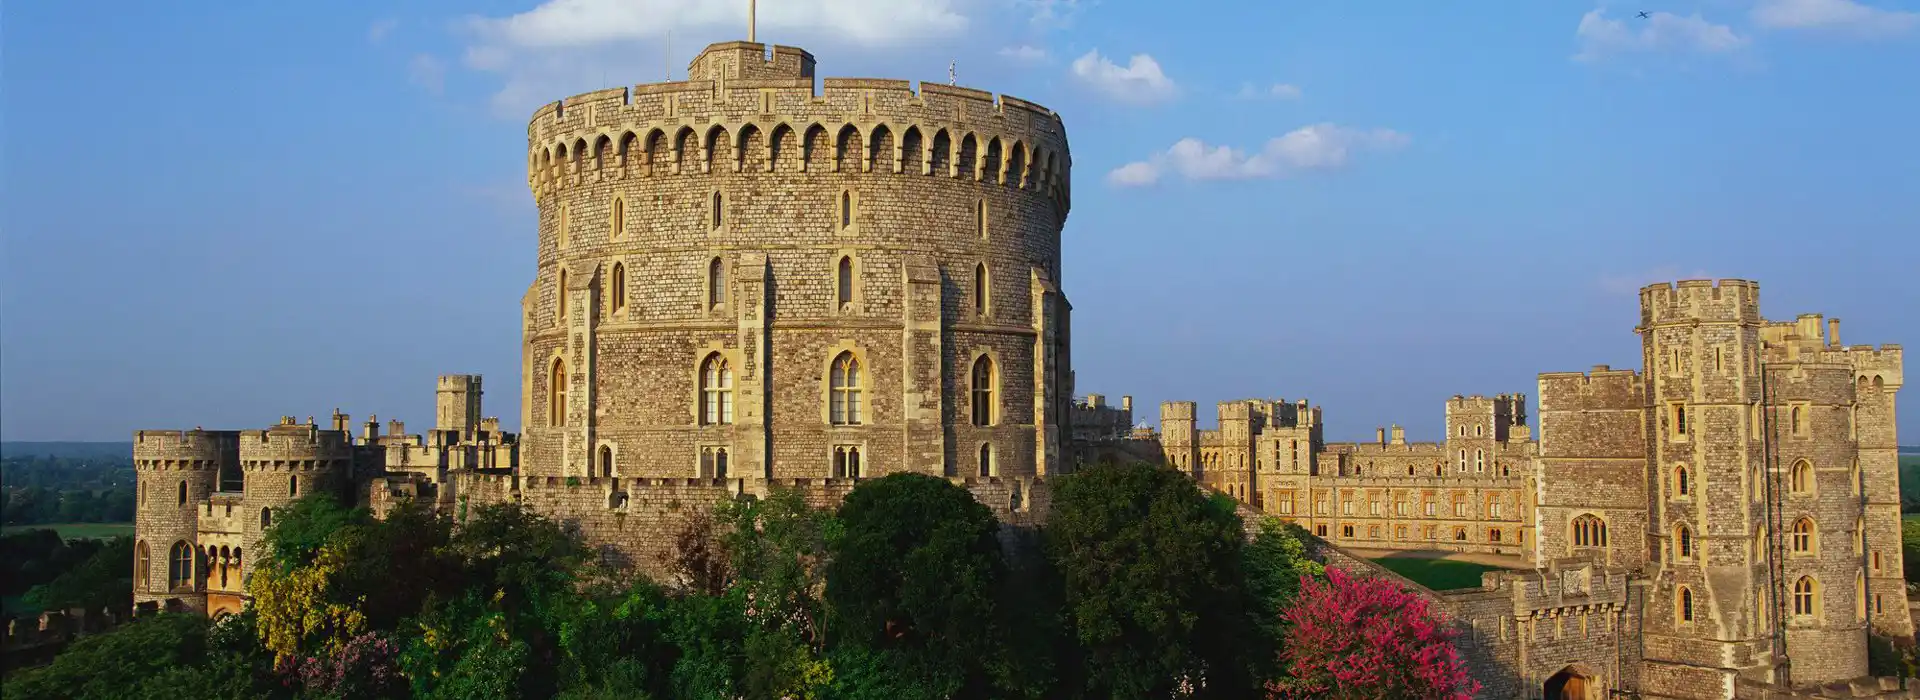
(219, 213)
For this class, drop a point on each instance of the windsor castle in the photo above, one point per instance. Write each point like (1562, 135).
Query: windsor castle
(743, 282)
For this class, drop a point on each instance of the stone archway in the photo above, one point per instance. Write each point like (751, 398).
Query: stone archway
(1571, 683)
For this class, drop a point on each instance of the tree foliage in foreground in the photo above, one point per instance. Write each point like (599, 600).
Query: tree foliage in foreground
(1140, 586)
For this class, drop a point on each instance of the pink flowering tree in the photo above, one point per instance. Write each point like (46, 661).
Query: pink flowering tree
(1354, 638)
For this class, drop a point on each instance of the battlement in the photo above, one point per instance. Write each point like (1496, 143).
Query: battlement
(677, 128)
(1235, 410)
(1602, 388)
(1177, 410)
(1701, 301)
(1389, 448)
(182, 449)
(294, 446)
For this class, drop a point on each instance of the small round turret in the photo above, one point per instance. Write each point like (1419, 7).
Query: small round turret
(282, 464)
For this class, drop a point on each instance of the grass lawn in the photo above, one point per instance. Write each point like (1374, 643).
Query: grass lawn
(79, 531)
(1437, 574)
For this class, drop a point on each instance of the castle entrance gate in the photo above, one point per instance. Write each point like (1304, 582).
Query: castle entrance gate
(1570, 684)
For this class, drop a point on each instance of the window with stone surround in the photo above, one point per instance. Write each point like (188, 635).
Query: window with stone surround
(1683, 604)
(1320, 530)
(1285, 502)
(1430, 508)
(846, 462)
(843, 287)
(1589, 531)
(716, 284)
(1682, 482)
(619, 287)
(846, 209)
(1480, 460)
(843, 401)
(716, 391)
(1463, 460)
(984, 412)
(1797, 422)
(980, 217)
(713, 462)
(716, 215)
(179, 566)
(987, 466)
(1320, 507)
(1806, 597)
(1459, 509)
(560, 296)
(982, 301)
(561, 228)
(1460, 534)
(1678, 424)
(1346, 507)
(606, 460)
(266, 518)
(1373, 508)
(1346, 531)
(183, 492)
(1493, 534)
(1373, 532)
(142, 566)
(617, 223)
(557, 394)
(1800, 478)
(1400, 532)
(1803, 537)
(1682, 541)
(293, 485)
(1430, 532)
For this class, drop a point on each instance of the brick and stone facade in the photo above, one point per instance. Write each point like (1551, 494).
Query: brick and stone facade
(743, 283)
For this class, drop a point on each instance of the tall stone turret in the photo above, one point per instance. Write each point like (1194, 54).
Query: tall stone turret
(175, 473)
(284, 463)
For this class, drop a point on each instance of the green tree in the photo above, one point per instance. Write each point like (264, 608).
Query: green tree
(115, 664)
(1153, 589)
(916, 571)
(104, 581)
(1910, 548)
(1274, 562)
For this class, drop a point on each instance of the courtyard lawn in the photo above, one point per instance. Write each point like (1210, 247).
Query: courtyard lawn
(78, 531)
(1437, 574)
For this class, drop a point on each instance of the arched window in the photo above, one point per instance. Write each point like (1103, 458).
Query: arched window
(606, 460)
(179, 566)
(1480, 460)
(1683, 541)
(1683, 601)
(1805, 591)
(266, 518)
(1803, 534)
(980, 218)
(619, 224)
(986, 459)
(1795, 424)
(1460, 534)
(1681, 485)
(844, 391)
(846, 462)
(142, 566)
(980, 290)
(1800, 479)
(1589, 531)
(619, 286)
(560, 297)
(716, 391)
(713, 462)
(183, 492)
(716, 284)
(846, 209)
(843, 277)
(717, 201)
(983, 381)
(1463, 456)
(557, 394)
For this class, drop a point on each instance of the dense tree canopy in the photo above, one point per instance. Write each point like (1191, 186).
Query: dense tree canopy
(1140, 586)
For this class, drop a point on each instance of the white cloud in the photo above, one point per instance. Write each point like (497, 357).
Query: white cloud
(1139, 82)
(1631, 283)
(576, 23)
(1276, 91)
(562, 47)
(1834, 15)
(1024, 54)
(428, 71)
(1052, 14)
(380, 29)
(1309, 148)
(1600, 36)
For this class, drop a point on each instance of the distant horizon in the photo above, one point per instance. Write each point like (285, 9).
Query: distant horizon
(1373, 211)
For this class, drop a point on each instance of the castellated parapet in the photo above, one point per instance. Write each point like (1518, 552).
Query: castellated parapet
(738, 277)
(176, 472)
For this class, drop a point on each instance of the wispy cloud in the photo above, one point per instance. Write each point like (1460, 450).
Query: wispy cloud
(1601, 37)
(1024, 54)
(428, 71)
(1842, 16)
(1139, 82)
(567, 45)
(1318, 147)
(1276, 91)
(379, 30)
(1631, 283)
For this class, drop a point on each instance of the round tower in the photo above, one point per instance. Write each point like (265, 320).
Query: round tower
(281, 464)
(175, 472)
(738, 277)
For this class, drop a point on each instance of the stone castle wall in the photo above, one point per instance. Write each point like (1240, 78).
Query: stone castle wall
(714, 218)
